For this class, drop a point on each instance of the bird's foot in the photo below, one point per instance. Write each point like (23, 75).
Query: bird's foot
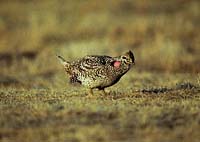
(89, 96)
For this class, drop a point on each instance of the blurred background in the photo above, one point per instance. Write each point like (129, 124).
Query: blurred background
(164, 36)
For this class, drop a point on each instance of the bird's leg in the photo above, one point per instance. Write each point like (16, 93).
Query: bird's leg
(90, 93)
(103, 92)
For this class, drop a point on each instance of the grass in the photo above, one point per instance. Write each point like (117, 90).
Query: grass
(152, 113)
(158, 100)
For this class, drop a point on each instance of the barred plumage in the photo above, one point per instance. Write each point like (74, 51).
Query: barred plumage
(94, 71)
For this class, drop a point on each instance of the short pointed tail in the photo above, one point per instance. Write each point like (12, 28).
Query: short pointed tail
(62, 60)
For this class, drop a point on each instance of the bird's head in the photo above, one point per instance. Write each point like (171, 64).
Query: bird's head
(127, 59)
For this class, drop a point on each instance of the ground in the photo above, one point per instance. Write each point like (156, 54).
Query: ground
(157, 100)
(155, 113)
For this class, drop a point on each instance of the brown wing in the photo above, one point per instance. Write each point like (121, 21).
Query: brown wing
(93, 62)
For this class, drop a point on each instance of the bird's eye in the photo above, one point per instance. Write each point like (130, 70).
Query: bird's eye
(124, 57)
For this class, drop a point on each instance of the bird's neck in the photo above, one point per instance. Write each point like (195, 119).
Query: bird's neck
(122, 69)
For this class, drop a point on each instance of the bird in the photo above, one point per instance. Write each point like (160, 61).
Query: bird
(98, 71)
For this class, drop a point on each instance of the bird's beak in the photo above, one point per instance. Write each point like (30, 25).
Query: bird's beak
(132, 64)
